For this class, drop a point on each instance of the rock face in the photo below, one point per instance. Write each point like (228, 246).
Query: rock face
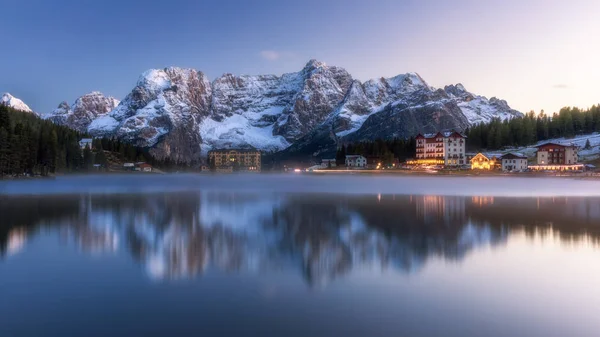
(86, 109)
(163, 112)
(181, 115)
(13, 102)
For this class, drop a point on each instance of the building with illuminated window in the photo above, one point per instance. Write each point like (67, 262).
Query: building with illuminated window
(229, 160)
(557, 157)
(485, 161)
(442, 148)
(514, 162)
(357, 161)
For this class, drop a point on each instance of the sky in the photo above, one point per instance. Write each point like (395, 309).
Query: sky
(536, 54)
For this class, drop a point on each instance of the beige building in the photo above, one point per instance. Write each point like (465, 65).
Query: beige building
(442, 148)
(557, 157)
(514, 162)
(229, 160)
(556, 154)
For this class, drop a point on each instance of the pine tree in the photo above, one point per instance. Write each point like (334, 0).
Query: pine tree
(4, 151)
(88, 159)
(100, 159)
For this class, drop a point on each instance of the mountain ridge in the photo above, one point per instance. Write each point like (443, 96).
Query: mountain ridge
(180, 114)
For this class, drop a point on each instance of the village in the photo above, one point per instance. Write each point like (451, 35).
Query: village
(443, 152)
(446, 152)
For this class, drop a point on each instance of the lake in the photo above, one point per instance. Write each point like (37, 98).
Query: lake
(299, 255)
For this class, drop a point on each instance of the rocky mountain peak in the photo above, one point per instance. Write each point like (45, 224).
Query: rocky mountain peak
(456, 90)
(313, 64)
(13, 102)
(83, 111)
(63, 106)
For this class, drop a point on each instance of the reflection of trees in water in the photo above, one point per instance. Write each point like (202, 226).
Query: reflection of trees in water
(181, 235)
(570, 219)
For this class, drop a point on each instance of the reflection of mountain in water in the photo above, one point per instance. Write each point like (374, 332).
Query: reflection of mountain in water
(181, 235)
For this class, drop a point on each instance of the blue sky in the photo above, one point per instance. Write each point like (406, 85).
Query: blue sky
(537, 54)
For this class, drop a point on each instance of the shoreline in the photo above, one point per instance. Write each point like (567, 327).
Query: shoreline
(465, 173)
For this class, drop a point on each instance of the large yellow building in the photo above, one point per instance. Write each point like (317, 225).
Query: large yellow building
(228, 160)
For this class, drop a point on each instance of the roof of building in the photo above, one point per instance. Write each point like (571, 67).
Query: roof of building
(488, 155)
(493, 154)
(350, 156)
(556, 144)
(514, 155)
(86, 140)
(246, 150)
(444, 134)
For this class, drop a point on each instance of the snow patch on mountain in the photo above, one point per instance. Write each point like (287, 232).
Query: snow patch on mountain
(13, 102)
(240, 131)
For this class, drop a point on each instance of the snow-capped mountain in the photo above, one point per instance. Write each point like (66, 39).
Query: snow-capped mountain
(164, 111)
(180, 114)
(479, 109)
(13, 102)
(83, 111)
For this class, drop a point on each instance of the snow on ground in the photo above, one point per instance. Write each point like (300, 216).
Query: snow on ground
(584, 155)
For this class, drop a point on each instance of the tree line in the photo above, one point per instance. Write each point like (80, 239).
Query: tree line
(30, 145)
(495, 135)
(532, 128)
(385, 150)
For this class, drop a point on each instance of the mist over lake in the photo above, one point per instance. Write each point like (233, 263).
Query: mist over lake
(309, 183)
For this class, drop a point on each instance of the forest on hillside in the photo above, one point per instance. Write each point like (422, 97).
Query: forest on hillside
(517, 132)
(532, 128)
(30, 145)
(385, 150)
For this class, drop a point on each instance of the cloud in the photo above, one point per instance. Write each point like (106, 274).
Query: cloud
(270, 55)
(561, 86)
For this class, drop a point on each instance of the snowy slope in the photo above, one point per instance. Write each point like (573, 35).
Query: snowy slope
(13, 102)
(584, 154)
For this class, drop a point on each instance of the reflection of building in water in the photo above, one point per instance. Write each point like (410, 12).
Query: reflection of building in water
(435, 208)
(482, 201)
(16, 240)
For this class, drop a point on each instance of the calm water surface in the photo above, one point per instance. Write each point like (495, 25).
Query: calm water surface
(195, 261)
